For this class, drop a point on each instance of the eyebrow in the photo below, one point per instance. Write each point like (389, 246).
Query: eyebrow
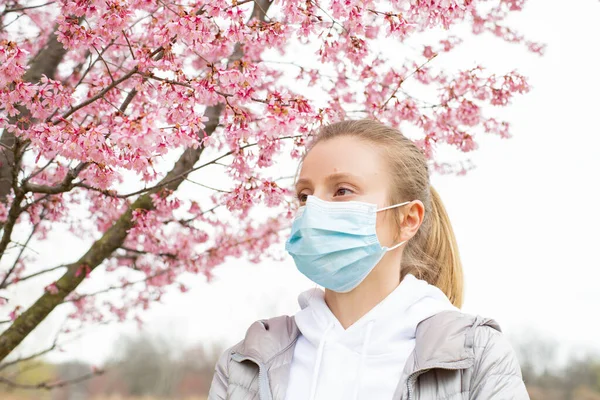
(333, 177)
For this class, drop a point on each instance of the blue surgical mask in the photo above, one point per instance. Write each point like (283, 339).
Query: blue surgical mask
(335, 244)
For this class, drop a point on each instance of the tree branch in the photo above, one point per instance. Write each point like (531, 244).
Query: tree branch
(92, 99)
(111, 288)
(48, 385)
(64, 186)
(36, 173)
(402, 80)
(15, 207)
(28, 358)
(213, 161)
(27, 277)
(9, 10)
(159, 273)
(3, 284)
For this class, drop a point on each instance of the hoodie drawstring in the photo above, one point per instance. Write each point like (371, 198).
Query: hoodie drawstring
(363, 356)
(315, 377)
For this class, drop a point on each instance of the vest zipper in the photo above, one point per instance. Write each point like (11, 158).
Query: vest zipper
(264, 389)
(411, 380)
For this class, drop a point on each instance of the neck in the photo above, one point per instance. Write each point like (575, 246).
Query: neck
(383, 279)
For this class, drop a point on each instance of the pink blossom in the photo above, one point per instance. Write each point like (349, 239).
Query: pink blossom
(51, 288)
(428, 52)
(462, 140)
(83, 269)
(3, 212)
(272, 193)
(535, 47)
(408, 110)
(14, 313)
(13, 60)
(514, 5)
(491, 125)
(468, 113)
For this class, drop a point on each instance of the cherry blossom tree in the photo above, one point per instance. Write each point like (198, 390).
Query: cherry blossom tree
(110, 108)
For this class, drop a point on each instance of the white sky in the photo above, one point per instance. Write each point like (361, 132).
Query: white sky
(526, 219)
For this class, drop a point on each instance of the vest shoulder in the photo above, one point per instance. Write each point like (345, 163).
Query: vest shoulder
(279, 326)
(450, 336)
(266, 338)
(453, 322)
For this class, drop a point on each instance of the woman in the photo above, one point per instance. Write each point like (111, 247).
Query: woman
(374, 233)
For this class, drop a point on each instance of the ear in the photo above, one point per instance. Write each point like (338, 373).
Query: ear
(411, 218)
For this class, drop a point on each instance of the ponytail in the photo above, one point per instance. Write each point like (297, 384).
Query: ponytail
(432, 254)
(441, 246)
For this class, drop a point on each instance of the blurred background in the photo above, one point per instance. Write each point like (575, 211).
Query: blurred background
(526, 218)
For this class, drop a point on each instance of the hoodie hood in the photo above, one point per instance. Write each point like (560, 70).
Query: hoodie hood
(373, 349)
(391, 322)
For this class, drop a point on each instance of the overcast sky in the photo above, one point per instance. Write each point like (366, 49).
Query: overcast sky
(526, 219)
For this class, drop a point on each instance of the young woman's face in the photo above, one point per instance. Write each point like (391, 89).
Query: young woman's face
(347, 168)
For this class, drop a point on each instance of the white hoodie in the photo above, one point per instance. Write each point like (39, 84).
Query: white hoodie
(364, 361)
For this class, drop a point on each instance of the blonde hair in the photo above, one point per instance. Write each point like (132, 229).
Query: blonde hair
(432, 253)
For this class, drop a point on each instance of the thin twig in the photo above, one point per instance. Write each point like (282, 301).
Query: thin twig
(402, 80)
(96, 97)
(64, 186)
(30, 357)
(238, 3)
(89, 68)
(207, 187)
(128, 44)
(34, 174)
(105, 64)
(14, 266)
(78, 297)
(168, 255)
(200, 167)
(45, 271)
(9, 10)
(50, 386)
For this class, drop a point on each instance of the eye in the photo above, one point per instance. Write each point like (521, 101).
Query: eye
(343, 192)
(302, 197)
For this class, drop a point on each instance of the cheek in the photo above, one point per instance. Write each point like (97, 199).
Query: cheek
(386, 230)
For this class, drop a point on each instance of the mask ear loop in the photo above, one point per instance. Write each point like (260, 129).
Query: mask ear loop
(394, 206)
(387, 208)
(396, 245)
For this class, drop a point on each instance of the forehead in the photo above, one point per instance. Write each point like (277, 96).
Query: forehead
(345, 155)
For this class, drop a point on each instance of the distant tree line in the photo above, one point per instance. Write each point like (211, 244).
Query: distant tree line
(576, 379)
(147, 366)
